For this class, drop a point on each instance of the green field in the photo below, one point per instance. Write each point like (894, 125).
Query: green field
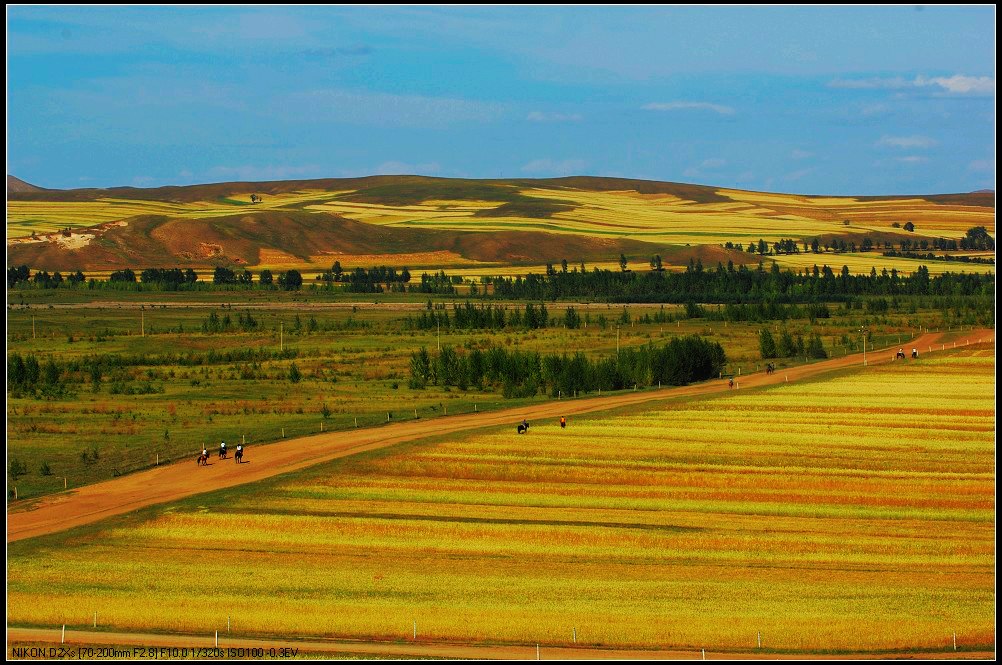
(850, 513)
(353, 364)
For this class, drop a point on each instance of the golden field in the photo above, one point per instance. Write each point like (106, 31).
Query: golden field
(795, 511)
(652, 217)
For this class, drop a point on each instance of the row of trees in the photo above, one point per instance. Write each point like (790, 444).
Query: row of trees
(25, 375)
(737, 285)
(517, 373)
(790, 346)
(483, 317)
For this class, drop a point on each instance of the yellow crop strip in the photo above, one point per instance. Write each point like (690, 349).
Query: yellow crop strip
(662, 218)
(850, 513)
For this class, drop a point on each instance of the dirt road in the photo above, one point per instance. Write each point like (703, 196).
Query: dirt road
(183, 479)
(416, 649)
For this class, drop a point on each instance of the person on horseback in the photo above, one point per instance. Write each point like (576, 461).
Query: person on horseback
(730, 383)
(563, 422)
(240, 453)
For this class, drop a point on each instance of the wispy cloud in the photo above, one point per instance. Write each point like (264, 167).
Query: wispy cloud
(799, 174)
(797, 153)
(957, 84)
(700, 169)
(686, 106)
(545, 116)
(555, 167)
(906, 142)
(912, 159)
(982, 165)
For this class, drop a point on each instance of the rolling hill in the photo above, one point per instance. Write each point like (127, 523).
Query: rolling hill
(425, 221)
(18, 186)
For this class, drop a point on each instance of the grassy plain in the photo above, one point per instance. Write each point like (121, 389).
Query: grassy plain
(355, 363)
(850, 513)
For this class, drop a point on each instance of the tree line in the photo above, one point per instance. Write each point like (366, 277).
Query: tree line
(516, 373)
(790, 346)
(737, 285)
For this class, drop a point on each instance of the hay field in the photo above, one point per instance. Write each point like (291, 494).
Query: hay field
(747, 216)
(852, 513)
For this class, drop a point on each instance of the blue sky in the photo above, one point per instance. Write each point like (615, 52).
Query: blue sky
(819, 100)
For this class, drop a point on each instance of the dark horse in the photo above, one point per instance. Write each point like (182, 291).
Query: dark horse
(202, 460)
(522, 429)
(770, 368)
(223, 454)
(239, 456)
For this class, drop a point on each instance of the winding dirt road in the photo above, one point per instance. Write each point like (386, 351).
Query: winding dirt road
(183, 479)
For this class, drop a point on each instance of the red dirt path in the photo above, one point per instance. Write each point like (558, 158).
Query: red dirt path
(176, 481)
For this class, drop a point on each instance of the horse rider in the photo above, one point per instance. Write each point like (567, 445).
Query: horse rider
(563, 422)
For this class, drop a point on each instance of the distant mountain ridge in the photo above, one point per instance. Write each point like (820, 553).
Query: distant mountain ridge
(396, 189)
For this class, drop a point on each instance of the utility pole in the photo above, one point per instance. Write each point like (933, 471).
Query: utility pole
(440, 336)
(862, 329)
(281, 344)
(617, 340)
(142, 323)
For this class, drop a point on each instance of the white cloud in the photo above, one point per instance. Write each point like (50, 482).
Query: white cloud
(706, 165)
(555, 167)
(800, 154)
(685, 106)
(545, 116)
(797, 175)
(906, 142)
(961, 85)
(957, 84)
(912, 159)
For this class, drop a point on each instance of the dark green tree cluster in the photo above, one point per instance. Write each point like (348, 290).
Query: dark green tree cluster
(517, 373)
(790, 346)
(25, 376)
(171, 279)
(17, 275)
(483, 317)
(362, 280)
(290, 280)
(125, 276)
(738, 285)
(223, 275)
(216, 324)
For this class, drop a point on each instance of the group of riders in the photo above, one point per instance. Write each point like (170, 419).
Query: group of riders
(901, 354)
(523, 426)
(203, 459)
